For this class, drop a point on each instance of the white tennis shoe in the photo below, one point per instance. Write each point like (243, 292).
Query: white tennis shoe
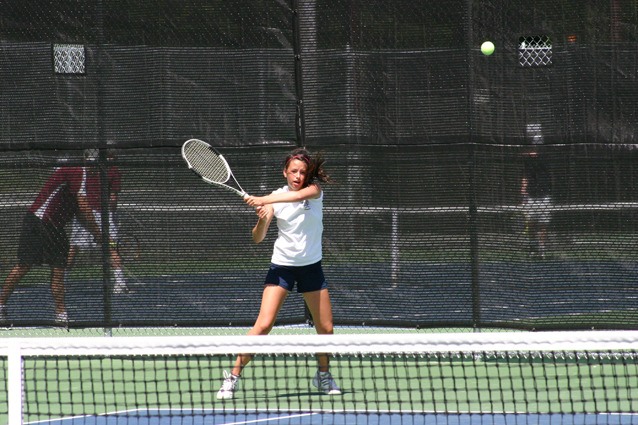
(62, 319)
(325, 383)
(229, 386)
(120, 288)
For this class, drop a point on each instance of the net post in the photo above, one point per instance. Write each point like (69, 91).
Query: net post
(14, 383)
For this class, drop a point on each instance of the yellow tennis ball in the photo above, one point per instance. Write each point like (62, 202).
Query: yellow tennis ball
(487, 48)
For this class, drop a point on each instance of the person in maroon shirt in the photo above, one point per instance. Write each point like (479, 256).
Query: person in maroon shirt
(43, 239)
(81, 237)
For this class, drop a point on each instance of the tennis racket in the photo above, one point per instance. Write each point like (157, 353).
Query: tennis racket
(210, 165)
(129, 248)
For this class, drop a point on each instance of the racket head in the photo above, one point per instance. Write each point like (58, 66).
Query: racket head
(210, 165)
(206, 161)
(129, 248)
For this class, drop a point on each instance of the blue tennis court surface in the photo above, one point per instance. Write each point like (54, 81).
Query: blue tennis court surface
(209, 417)
(165, 299)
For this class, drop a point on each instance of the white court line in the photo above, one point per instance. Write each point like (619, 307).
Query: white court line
(214, 411)
(270, 419)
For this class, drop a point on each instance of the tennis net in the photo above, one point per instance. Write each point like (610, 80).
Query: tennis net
(462, 378)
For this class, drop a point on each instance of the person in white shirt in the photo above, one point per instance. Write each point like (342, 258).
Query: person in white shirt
(296, 259)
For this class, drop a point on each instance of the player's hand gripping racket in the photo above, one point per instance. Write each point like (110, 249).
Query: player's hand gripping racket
(210, 165)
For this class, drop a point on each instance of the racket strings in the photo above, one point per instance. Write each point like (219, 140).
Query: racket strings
(128, 247)
(206, 163)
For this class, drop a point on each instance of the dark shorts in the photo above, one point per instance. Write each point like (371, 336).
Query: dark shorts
(308, 278)
(42, 243)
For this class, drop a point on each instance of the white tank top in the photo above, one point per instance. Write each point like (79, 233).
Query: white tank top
(300, 227)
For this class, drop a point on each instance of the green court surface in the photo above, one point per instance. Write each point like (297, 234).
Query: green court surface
(452, 383)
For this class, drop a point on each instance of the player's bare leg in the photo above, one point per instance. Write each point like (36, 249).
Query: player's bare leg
(16, 274)
(318, 303)
(12, 279)
(57, 289)
(272, 300)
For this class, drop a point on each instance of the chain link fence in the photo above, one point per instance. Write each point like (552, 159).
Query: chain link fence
(428, 139)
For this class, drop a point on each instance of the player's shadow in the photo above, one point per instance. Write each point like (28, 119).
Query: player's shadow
(296, 395)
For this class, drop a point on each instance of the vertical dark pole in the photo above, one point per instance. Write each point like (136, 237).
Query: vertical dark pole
(297, 41)
(300, 128)
(102, 166)
(472, 204)
(474, 241)
(106, 232)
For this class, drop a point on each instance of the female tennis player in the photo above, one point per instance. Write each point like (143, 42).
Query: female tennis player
(296, 259)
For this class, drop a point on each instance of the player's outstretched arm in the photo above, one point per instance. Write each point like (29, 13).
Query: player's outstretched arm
(310, 192)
